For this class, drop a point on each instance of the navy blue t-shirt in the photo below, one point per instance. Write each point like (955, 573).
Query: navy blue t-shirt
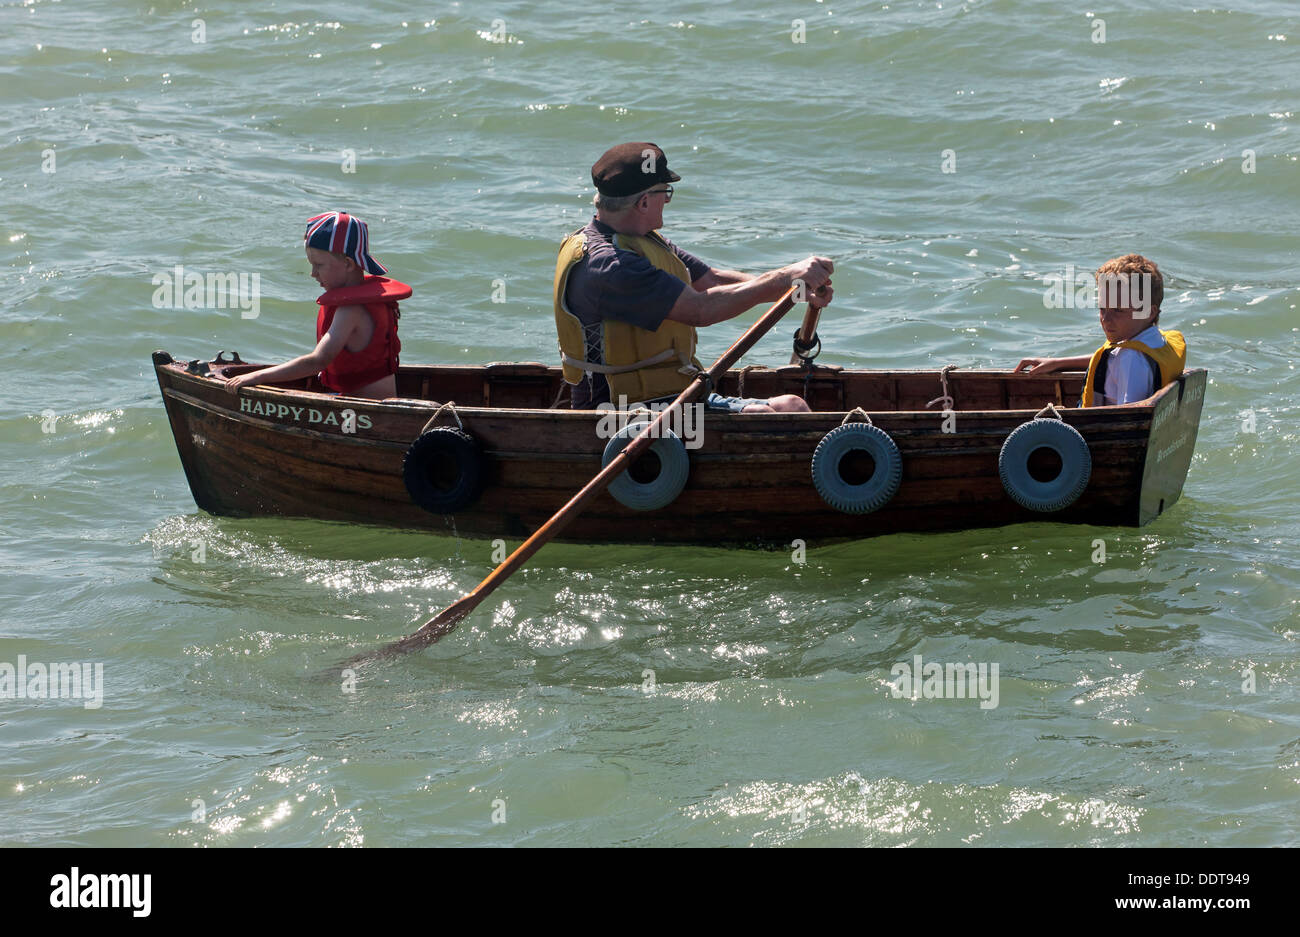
(609, 283)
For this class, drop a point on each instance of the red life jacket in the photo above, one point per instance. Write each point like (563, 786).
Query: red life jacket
(352, 370)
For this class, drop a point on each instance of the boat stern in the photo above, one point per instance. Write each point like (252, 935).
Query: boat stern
(1172, 443)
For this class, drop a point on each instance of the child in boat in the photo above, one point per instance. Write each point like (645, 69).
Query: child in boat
(1137, 358)
(356, 325)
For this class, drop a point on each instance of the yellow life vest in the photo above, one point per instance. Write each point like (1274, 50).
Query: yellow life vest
(638, 364)
(1171, 358)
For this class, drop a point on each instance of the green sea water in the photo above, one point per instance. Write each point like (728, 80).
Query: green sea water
(645, 695)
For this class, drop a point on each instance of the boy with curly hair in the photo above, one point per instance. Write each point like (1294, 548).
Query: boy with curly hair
(1137, 358)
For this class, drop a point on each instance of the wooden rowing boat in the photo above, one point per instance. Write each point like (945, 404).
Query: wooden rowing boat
(292, 450)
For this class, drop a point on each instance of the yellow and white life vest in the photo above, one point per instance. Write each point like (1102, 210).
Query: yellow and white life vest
(1171, 357)
(638, 364)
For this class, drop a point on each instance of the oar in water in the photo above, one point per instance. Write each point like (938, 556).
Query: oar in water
(448, 618)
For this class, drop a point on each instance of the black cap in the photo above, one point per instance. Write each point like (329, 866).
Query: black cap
(630, 168)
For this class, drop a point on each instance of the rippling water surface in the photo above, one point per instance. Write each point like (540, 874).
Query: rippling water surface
(645, 695)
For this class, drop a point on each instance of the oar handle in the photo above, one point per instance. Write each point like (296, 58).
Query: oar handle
(807, 332)
(809, 327)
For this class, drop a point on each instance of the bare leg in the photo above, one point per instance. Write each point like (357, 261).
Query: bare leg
(785, 403)
(789, 403)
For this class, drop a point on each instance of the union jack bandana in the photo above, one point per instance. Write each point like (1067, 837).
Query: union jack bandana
(341, 233)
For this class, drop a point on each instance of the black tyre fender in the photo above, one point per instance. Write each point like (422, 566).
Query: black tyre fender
(443, 470)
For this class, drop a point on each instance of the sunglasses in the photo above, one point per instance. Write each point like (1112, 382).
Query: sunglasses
(666, 192)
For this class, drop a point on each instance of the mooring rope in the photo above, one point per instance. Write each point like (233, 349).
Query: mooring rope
(945, 398)
(449, 405)
(558, 395)
(740, 390)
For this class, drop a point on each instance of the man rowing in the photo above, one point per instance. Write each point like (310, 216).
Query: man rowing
(628, 301)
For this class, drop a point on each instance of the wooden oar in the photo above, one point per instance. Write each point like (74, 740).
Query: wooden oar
(448, 618)
(803, 338)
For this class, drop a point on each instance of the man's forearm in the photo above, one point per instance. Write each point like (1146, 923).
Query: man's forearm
(716, 277)
(728, 300)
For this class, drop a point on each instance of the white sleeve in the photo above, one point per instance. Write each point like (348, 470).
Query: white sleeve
(1128, 377)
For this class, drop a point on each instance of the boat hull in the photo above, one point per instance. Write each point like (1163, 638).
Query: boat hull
(289, 451)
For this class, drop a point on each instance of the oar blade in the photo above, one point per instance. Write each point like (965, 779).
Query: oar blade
(430, 632)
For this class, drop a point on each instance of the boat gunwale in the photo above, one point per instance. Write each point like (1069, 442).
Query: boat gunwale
(1142, 409)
